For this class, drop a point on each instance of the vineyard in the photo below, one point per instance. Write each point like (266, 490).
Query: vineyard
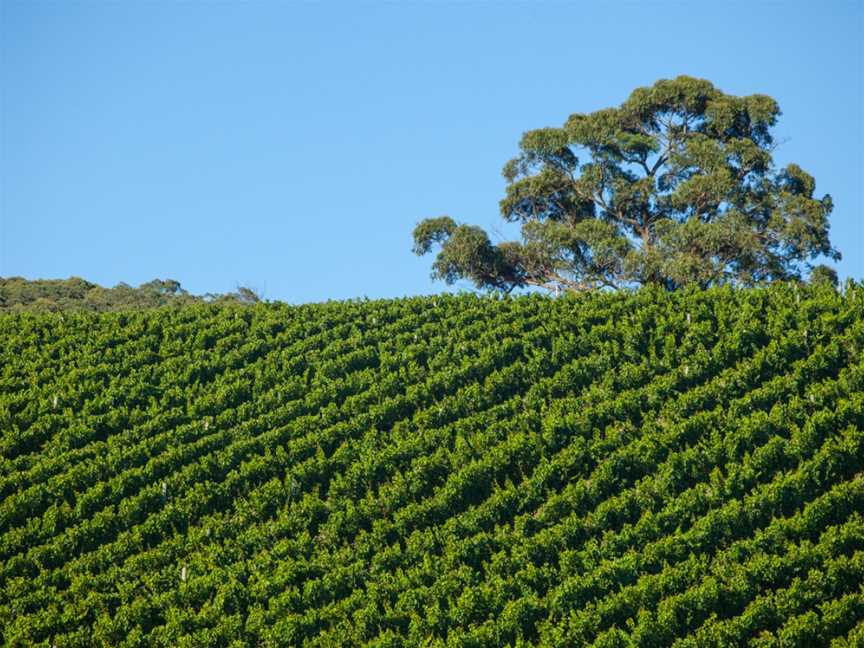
(605, 469)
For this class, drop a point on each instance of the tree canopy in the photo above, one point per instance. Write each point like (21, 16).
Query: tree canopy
(676, 186)
(73, 294)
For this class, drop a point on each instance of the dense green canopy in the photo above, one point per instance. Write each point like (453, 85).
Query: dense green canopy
(674, 187)
(20, 294)
(628, 468)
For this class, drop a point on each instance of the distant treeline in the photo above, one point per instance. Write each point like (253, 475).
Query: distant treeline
(18, 293)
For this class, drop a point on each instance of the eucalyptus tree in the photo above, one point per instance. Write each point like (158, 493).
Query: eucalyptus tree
(676, 186)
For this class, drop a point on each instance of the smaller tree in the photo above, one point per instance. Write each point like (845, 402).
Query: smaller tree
(246, 295)
(163, 287)
(823, 275)
(677, 187)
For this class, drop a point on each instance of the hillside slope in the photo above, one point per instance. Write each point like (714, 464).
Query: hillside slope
(609, 469)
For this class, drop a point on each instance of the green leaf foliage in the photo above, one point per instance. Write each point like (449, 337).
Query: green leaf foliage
(675, 187)
(644, 468)
(73, 294)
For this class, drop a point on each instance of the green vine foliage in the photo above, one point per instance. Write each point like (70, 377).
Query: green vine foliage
(646, 468)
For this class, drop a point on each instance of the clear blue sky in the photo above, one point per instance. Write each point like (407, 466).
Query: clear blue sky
(292, 147)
